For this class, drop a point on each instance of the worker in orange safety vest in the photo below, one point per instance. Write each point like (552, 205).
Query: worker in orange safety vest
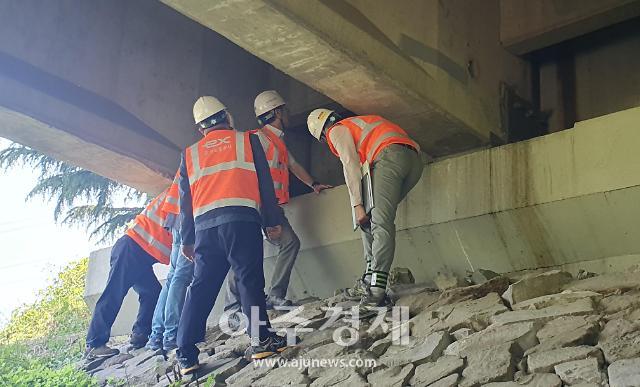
(145, 243)
(396, 167)
(272, 113)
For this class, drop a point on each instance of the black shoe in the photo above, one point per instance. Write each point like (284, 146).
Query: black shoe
(273, 302)
(93, 353)
(187, 367)
(138, 341)
(271, 346)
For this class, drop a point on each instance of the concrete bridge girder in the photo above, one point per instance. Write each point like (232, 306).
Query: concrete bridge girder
(436, 82)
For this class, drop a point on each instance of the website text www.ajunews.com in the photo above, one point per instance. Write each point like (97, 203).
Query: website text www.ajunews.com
(302, 363)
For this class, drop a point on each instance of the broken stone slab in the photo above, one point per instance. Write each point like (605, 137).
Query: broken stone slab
(475, 314)
(237, 344)
(339, 376)
(424, 324)
(564, 298)
(117, 359)
(362, 357)
(543, 362)
(522, 334)
(446, 281)
(112, 373)
(418, 302)
(580, 371)
(620, 303)
(532, 380)
(401, 276)
(394, 376)
(220, 369)
(576, 308)
(380, 347)
(620, 339)
(624, 373)
(462, 333)
(607, 283)
(327, 351)
(317, 338)
(567, 331)
(536, 285)
(493, 364)
(495, 285)
(449, 381)
(283, 376)
(421, 351)
(481, 276)
(250, 373)
(429, 373)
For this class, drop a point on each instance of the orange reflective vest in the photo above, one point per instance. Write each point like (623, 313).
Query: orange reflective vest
(371, 134)
(278, 159)
(221, 172)
(148, 232)
(172, 200)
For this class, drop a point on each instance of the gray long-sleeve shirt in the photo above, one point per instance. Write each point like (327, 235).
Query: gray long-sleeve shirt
(270, 212)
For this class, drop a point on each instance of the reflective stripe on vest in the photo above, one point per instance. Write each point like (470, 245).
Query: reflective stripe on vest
(389, 134)
(172, 200)
(225, 176)
(240, 162)
(148, 231)
(278, 160)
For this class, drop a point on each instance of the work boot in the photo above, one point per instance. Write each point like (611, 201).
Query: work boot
(138, 340)
(272, 345)
(359, 290)
(187, 367)
(93, 353)
(375, 301)
(275, 301)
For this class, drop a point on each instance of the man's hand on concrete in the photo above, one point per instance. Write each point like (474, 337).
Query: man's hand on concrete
(274, 233)
(317, 187)
(361, 216)
(189, 252)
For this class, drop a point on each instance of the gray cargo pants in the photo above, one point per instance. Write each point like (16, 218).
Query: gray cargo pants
(396, 170)
(289, 244)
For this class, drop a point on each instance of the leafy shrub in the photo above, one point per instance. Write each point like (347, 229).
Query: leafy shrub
(43, 340)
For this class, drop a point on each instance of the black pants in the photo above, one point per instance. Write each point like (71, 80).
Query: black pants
(131, 266)
(236, 245)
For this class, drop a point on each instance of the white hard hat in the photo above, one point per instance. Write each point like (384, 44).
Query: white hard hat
(206, 107)
(316, 121)
(267, 101)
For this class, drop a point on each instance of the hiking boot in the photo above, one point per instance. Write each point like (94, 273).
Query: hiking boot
(275, 302)
(270, 346)
(359, 290)
(154, 344)
(375, 301)
(187, 367)
(92, 353)
(138, 340)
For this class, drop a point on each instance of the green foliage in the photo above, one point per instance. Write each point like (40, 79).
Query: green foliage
(71, 188)
(43, 340)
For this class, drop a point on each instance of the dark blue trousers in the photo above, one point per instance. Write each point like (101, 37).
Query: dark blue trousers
(235, 245)
(131, 267)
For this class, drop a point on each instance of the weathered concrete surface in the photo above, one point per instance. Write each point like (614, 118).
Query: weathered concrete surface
(527, 26)
(102, 87)
(580, 371)
(408, 70)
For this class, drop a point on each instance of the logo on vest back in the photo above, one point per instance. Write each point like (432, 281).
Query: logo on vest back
(217, 142)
